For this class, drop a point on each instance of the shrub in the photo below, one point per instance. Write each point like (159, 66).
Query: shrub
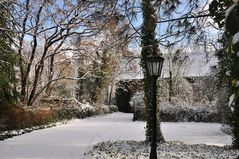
(21, 117)
(177, 112)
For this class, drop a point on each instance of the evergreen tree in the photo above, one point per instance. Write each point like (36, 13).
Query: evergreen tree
(7, 59)
(232, 33)
(229, 58)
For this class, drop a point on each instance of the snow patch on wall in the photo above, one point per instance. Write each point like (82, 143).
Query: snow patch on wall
(235, 1)
(230, 9)
(231, 100)
(237, 85)
(235, 38)
(228, 73)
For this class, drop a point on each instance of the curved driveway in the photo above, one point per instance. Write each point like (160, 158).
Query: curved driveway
(72, 140)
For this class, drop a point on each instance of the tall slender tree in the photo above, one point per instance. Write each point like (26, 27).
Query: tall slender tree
(149, 46)
(8, 94)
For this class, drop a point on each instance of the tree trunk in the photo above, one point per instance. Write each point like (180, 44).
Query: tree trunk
(149, 47)
(170, 87)
(23, 97)
(50, 75)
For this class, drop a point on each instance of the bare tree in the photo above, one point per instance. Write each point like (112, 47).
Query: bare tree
(48, 26)
(101, 56)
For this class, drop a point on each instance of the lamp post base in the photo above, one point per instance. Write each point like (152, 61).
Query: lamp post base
(153, 153)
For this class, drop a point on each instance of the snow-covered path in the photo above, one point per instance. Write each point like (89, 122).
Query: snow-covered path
(72, 140)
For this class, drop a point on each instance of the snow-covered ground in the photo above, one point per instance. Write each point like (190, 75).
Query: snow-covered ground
(72, 140)
(169, 150)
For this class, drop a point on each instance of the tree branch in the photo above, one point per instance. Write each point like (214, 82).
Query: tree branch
(191, 17)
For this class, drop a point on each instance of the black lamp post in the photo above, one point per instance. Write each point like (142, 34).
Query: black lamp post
(154, 67)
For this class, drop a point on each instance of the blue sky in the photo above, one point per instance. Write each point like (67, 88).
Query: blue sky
(182, 9)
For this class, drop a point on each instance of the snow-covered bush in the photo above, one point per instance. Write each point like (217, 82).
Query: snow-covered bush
(138, 105)
(24, 119)
(181, 90)
(189, 114)
(178, 111)
(222, 104)
(193, 99)
(188, 90)
(71, 108)
(182, 114)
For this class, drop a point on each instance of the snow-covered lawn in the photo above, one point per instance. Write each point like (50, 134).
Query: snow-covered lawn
(72, 140)
(168, 150)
